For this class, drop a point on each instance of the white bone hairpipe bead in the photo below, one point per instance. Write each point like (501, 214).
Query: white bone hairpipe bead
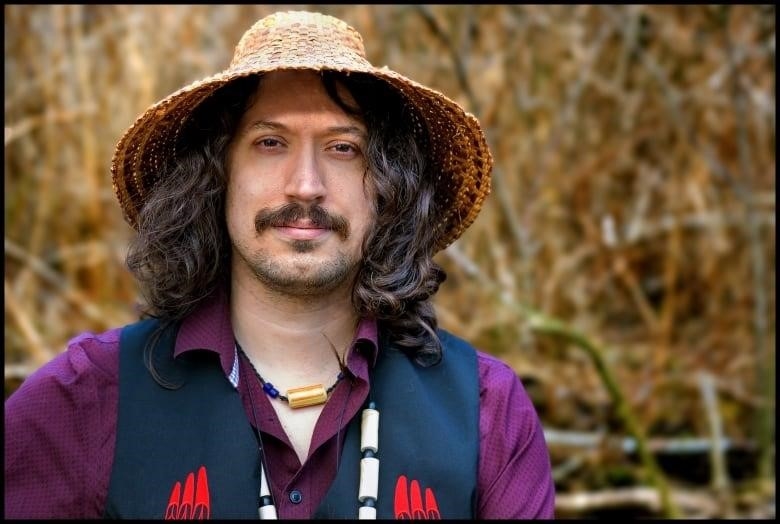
(268, 512)
(369, 478)
(369, 430)
(264, 491)
(366, 513)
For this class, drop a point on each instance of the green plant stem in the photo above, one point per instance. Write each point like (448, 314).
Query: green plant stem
(550, 326)
(541, 323)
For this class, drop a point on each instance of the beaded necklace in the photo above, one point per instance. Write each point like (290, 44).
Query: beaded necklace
(301, 397)
(368, 490)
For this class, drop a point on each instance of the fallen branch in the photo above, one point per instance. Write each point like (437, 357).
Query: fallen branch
(695, 504)
(628, 445)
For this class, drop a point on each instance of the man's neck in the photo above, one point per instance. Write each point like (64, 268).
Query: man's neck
(284, 330)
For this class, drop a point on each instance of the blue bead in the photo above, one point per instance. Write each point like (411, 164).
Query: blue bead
(270, 390)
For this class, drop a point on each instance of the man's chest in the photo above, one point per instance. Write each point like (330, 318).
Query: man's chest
(299, 425)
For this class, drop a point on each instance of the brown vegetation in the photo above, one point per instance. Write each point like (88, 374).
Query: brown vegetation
(623, 265)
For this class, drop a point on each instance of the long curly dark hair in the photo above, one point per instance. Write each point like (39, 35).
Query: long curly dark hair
(181, 254)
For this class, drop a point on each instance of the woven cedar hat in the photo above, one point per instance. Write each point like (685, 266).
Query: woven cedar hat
(458, 155)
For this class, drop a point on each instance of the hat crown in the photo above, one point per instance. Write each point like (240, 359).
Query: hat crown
(302, 37)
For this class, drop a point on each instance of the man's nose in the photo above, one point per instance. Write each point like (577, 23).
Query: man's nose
(306, 180)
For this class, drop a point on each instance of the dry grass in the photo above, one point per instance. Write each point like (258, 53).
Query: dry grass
(634, 193)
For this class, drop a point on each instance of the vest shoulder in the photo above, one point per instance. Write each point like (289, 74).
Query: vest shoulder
(137, 333)
(143, 325)
(452, 342)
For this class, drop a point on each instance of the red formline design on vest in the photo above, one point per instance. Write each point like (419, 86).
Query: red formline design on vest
(194, 503)
(409, 501)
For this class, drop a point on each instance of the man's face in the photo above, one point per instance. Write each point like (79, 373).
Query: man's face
(298, 203)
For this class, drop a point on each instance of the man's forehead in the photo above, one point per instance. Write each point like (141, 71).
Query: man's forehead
(282, 95)
(296, 81)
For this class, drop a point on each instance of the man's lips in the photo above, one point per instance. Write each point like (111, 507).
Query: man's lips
(301, 231)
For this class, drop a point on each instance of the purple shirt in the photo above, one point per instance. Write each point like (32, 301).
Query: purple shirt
(60, 428)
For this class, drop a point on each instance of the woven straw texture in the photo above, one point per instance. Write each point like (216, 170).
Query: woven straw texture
(457, 148)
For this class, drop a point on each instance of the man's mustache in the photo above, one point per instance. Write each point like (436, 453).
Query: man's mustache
(288, 214)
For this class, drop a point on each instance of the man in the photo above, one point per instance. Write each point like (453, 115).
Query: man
(290, 364)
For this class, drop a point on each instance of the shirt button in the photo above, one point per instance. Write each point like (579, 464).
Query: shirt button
(296, 496)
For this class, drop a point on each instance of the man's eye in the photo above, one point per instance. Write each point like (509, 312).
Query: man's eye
(346, 148)
(268, 142)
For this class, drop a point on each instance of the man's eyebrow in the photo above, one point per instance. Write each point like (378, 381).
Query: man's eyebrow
(278, 126)
(264, 124)
(348, 130)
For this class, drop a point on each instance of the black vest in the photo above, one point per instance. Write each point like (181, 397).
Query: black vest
(428, 437)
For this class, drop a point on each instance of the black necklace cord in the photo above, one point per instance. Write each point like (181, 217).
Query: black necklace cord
(266, 504)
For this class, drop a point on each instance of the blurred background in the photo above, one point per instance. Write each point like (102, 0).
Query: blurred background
(624, 264)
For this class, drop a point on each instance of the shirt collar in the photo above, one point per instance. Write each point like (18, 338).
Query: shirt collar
(209, 328)
(367, 340)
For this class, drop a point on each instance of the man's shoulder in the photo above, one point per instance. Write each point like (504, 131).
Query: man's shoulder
(451, 341)
(88, 364)
(94, 351)
(491, 368)
(91, 338)
(95, 342)
(98, 349)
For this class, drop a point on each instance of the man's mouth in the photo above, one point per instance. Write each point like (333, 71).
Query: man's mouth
(298, 223)
(301, 231)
